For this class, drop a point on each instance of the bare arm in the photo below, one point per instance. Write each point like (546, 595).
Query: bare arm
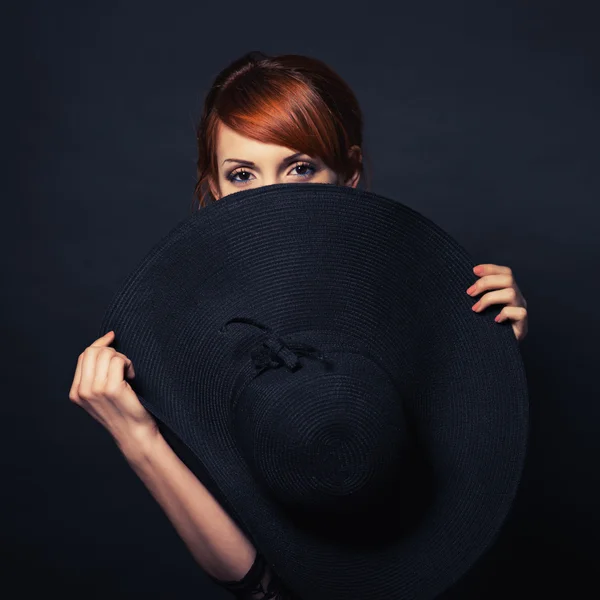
(213, 538)
(101, 388)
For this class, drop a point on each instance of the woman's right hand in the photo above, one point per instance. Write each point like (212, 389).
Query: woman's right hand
(99, 387)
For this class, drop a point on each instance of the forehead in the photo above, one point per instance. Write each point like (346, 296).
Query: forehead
(231, 144)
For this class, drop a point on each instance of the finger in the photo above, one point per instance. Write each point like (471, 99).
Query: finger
(491, 269)
(514, 313)
(73, 394)
(130, 370)
(128, 365)
(88, 372)
(103, 358)
(489, 282)
(115, 380)
(505, 296)
(105, 340)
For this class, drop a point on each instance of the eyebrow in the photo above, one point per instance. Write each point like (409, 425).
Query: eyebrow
(251, 164)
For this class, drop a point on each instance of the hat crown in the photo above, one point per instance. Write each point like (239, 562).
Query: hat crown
(328, 436)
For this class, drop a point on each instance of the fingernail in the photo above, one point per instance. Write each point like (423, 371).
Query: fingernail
(478, 270)
(471, 290)
(476, 306)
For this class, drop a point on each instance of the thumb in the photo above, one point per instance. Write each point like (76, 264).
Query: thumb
(105, 340)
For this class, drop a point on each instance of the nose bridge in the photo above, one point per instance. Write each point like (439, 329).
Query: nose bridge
(272, 175)
(271, 178)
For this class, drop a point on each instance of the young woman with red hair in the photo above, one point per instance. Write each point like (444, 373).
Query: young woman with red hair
(276, 120)
(266, 120)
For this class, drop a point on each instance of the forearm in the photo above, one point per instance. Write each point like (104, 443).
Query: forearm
(213, 538)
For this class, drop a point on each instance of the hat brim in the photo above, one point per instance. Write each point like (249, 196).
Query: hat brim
(342, 262)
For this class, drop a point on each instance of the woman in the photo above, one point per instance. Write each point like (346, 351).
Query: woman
(266, 120)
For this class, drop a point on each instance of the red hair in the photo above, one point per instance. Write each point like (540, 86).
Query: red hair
(289, 100)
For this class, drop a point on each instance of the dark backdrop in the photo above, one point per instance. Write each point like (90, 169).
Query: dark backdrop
(483, 116)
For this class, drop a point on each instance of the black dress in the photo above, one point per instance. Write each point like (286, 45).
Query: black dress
(260, 582)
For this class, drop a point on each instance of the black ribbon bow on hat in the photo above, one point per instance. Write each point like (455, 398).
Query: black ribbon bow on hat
(273, 351)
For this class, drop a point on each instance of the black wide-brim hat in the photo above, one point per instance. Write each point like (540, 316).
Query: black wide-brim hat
(314, 347)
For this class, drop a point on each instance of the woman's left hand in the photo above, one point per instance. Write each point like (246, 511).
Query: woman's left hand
(507, 292)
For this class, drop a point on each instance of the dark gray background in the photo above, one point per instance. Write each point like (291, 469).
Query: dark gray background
(483, 116)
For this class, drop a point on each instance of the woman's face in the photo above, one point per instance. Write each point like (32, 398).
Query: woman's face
(244, 163)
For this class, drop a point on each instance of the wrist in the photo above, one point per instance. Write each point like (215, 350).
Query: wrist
(138, 446)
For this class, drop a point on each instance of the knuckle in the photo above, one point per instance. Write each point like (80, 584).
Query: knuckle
(84, 392)
(89, 352)
(113, 389)
(97, 389)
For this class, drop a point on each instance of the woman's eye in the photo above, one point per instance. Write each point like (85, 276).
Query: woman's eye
(232, 176)
(303, 167)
